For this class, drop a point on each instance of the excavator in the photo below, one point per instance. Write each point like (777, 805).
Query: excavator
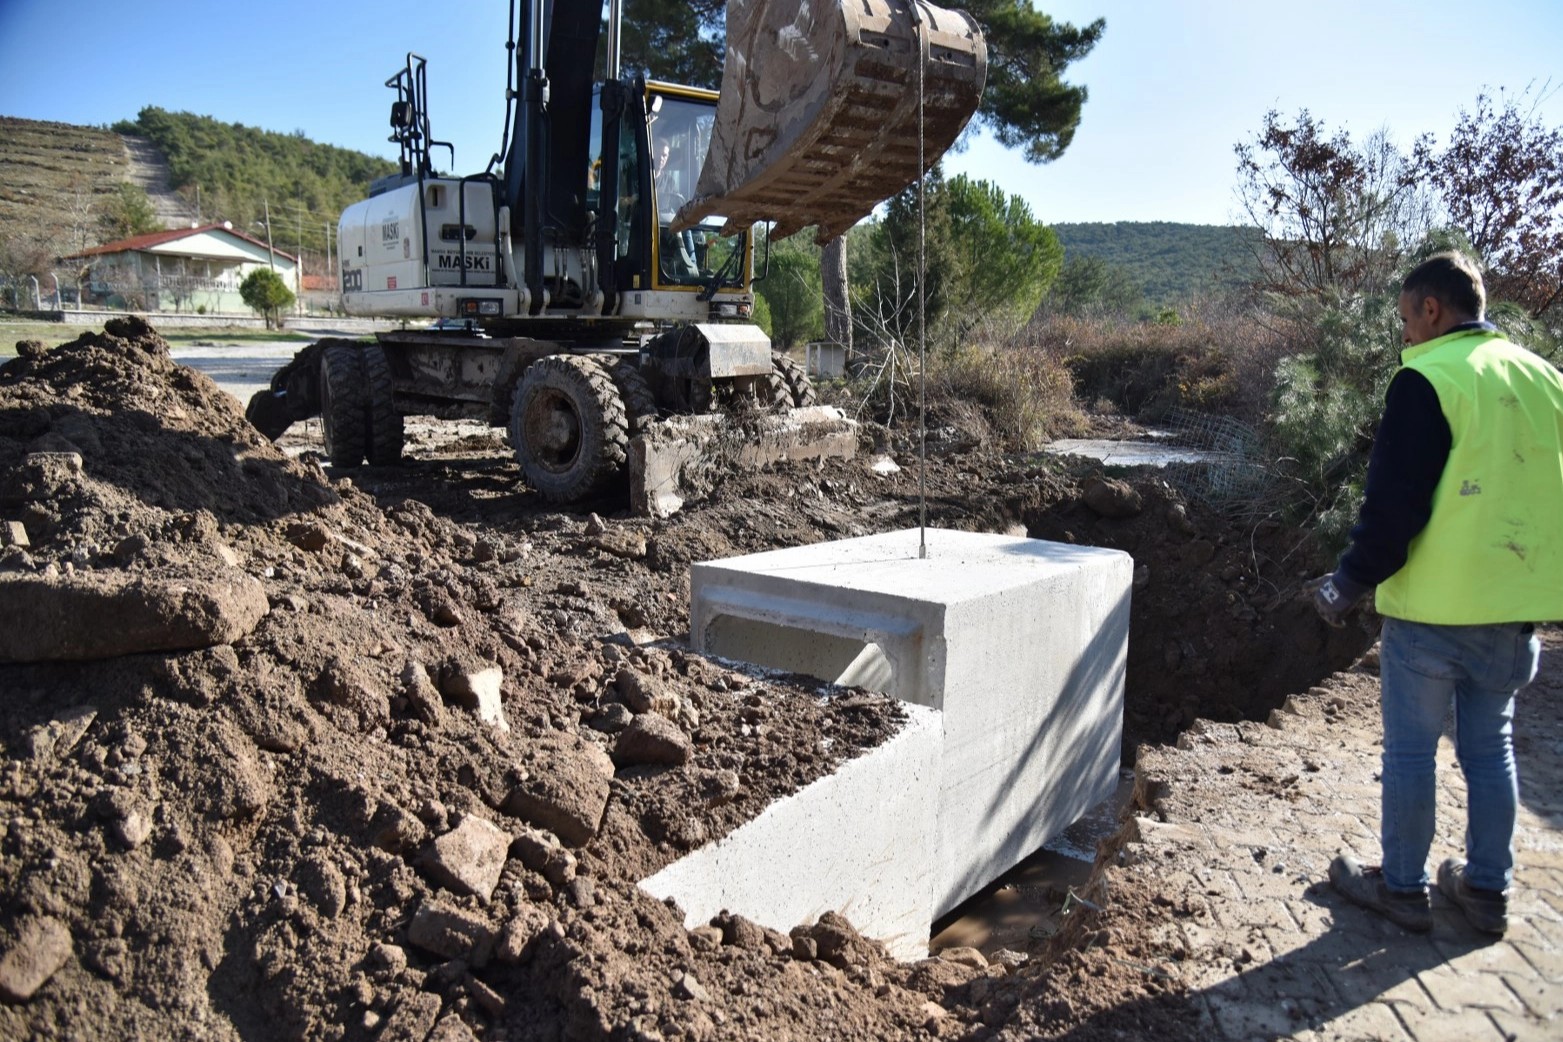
(592, 289)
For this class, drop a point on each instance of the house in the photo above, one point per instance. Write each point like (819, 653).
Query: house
(181, 269)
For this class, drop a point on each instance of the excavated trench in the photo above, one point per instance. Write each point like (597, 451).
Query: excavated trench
(245, 829)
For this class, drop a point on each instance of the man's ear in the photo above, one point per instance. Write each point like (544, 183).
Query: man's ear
(1433, 310)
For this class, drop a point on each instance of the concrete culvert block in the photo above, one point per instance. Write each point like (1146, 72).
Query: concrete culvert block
(652, 739)
(566, 793)
(469, 858)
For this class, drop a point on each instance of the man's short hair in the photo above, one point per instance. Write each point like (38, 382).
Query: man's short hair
(1452, 279)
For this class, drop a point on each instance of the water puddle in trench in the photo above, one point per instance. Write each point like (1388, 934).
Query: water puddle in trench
(1024, 906)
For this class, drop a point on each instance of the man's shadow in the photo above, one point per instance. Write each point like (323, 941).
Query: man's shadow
(1363, 978)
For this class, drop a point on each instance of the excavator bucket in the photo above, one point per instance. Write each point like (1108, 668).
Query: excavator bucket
(817, 122)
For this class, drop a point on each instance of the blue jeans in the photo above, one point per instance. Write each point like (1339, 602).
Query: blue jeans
(1423, 668)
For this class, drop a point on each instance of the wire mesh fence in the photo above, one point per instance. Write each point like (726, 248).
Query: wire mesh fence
(1235, 474)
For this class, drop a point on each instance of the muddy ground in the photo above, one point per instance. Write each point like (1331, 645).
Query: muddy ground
(293, 754)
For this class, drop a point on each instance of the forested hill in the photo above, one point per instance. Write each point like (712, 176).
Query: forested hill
(235, 170)
(1168, 261)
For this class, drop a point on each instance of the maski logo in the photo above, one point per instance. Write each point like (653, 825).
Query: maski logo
(475, 262)
(1470, 488)
(390, 231)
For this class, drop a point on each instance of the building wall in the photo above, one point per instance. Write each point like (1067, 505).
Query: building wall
(197, 272)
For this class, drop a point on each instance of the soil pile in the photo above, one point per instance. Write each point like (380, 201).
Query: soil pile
(288, 756)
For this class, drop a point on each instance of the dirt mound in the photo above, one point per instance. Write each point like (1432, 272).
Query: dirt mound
(409, 789)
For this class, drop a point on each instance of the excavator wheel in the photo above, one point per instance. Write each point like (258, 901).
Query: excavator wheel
(269, 413)
(799, 389)
(568, 428)
(343, 405)
(640, 404)
(385, 423)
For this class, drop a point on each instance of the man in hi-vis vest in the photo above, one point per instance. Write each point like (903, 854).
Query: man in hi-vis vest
(1461, 531)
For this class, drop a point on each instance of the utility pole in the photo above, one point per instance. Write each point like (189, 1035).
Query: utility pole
(271, 254)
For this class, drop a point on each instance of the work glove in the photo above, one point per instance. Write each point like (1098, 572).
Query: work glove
(1333, 597)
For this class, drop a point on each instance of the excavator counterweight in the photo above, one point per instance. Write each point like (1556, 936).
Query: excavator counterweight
(818, 117)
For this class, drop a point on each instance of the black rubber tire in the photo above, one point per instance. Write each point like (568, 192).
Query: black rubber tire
(568, 428)
(640, 404)
(344, 406)
(800, 389)
(269, 414)
(386, 435)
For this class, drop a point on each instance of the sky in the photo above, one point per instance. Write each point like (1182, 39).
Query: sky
(1174, 84)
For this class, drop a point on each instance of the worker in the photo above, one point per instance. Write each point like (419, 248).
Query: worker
(669, 169)
(1459, 532)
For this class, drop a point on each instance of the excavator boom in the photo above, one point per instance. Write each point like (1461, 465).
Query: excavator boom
(818, 117)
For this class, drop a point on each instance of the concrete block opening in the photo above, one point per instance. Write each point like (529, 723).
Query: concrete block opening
(1018, 646)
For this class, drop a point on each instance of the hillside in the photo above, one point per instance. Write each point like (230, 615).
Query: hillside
(230, 171)
(1168, 261)
(58, 179)
(63, 181)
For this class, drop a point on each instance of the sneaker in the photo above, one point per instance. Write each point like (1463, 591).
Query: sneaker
(1487, 910)
(1365, 886)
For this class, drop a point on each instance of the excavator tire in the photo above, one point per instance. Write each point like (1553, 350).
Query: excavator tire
(795, 379)
(344, 407)
(385, 423)
(568, 428)
(640, 404)
(269, 413)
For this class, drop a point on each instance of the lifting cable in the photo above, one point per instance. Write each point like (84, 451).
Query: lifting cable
(920, 26)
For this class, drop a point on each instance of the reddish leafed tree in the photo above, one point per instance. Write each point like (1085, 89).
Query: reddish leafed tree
(1335, 214)
(1501, 181)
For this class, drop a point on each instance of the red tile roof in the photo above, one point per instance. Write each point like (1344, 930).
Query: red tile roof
(151, 239)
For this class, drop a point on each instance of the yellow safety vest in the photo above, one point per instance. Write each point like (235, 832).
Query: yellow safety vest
(1493, 549)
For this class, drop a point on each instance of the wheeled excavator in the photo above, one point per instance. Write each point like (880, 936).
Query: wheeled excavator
(594, 285)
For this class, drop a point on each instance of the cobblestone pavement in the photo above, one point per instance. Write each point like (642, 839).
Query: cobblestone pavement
(1238, 825)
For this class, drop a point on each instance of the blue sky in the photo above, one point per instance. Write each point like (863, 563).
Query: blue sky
(1174, 84)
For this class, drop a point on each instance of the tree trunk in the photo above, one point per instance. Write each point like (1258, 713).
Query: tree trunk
(838, 305)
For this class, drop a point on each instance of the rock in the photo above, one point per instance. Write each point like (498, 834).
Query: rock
(932, 1013)
(740, 932)
(688, 987)
(1110, 497)
(48, 743)
(644, 694)
(478, 689)
(1011, 958)
(31, 349)
(451, 1029)
(621, 542)
(566, 793)
(492, 1002)
(392, 829)
(322, 882)
(14, 533)
(614, 717)
(451, 932)
(345, 683)
(133, 829)
(543, 853)
(1178, 520)
(833, 940)
(421, 694)
(469, 858)
(652, 739)
(413, 1018)
(43, 944)
(520, 931)
(963, 956)
(45, 618)
(308, 536)
(389, 957)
